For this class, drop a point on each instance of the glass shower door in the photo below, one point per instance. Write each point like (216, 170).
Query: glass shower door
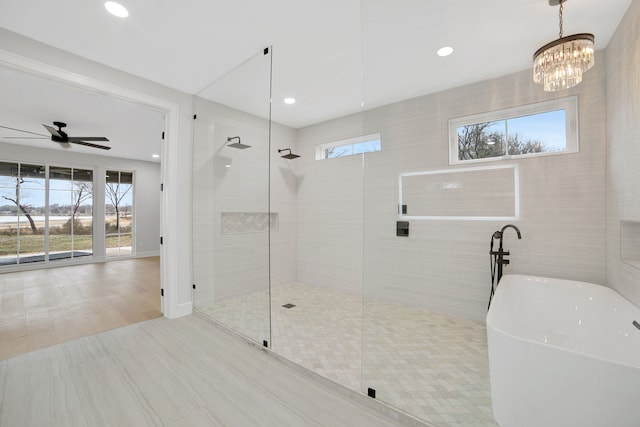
(316, 255)
(424, 341)
(231, 213)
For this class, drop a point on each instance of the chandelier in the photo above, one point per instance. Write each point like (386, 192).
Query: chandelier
(560, 64)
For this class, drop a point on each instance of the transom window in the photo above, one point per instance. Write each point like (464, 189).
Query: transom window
(538, 129)
(349, 147)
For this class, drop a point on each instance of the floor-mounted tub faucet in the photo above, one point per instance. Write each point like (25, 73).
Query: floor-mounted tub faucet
(497, 258)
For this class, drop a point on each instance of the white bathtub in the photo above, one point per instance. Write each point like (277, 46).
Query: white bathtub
(563, 353)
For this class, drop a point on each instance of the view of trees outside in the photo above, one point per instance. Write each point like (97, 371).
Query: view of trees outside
(23, 212)
(537, 133)
(119, 213)
(351, 149)
(71, 212)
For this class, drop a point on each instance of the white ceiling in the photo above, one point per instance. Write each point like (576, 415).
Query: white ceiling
(320, 48)
(28, 102)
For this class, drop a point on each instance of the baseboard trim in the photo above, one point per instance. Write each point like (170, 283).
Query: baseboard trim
(181, 310)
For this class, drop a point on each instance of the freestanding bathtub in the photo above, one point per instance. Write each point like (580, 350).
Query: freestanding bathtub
(563, 353)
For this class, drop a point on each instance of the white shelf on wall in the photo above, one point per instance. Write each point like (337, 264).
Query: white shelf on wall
(630, 242)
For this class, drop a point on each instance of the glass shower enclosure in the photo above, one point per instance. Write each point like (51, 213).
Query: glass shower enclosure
(302, 254)
(231, 212)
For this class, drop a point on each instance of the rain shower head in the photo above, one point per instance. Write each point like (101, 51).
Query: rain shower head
(288, 156)
(237, 144)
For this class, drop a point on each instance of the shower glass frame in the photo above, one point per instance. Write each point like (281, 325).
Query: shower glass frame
(232, 218)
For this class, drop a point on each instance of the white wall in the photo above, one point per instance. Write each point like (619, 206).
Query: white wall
(623, 150)
(444, 265)
(146, 190)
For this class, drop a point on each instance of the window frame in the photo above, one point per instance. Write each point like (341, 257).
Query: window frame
(568, 104)
(47, 236)
(119, 234)
(321, 149)
(72, 190)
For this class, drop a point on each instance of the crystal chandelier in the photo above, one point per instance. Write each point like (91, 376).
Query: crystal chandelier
(559, 65)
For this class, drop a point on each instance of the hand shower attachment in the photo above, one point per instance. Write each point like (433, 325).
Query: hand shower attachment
(238, 144)
(497, 258)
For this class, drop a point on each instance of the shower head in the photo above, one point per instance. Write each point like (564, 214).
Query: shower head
(237, 144)
(288, 156)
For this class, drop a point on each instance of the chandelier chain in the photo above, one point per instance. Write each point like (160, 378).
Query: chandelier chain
(561, 7)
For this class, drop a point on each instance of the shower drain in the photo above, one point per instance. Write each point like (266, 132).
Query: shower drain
(289, 305)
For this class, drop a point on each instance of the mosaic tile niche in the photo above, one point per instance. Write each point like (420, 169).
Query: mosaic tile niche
(248, 222)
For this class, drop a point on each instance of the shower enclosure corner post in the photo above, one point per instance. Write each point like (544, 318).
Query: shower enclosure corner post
(269, 51)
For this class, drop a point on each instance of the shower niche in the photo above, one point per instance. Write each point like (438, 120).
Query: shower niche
(490, 192)
(248, 222)
(630, 242)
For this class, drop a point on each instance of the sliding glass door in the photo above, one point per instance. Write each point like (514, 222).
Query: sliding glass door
(46, 213)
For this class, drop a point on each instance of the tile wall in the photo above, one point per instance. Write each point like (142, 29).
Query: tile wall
(623, 148)
(233, 181)
(337, 217)
(444, 265)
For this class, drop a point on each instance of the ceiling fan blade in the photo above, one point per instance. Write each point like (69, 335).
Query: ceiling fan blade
(88, 144)
(26, 137)
(53, 131)
(87, 138)
(25, 131)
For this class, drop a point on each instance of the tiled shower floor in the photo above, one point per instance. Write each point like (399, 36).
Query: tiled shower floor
(431, 365)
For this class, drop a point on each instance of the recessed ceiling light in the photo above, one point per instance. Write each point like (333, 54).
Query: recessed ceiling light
(289, 101)
(116, 9)
(445, 51)
(155, 156)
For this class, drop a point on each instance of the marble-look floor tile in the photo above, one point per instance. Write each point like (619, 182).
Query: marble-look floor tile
(109, 396)
(431, 365)
(183, 372)
(37, 390)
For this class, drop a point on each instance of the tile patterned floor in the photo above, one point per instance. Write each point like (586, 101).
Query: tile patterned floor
(431, 365)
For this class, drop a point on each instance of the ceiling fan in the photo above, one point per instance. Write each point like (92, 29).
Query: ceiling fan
(58, 135)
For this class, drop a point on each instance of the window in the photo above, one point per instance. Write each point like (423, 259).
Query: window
(537, 129)
(349, 147)
(119, 213)
(22, 213)
(44, 216)
(70, 212)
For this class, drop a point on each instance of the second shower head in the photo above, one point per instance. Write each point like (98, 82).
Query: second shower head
(238, 144)
(288, 156)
